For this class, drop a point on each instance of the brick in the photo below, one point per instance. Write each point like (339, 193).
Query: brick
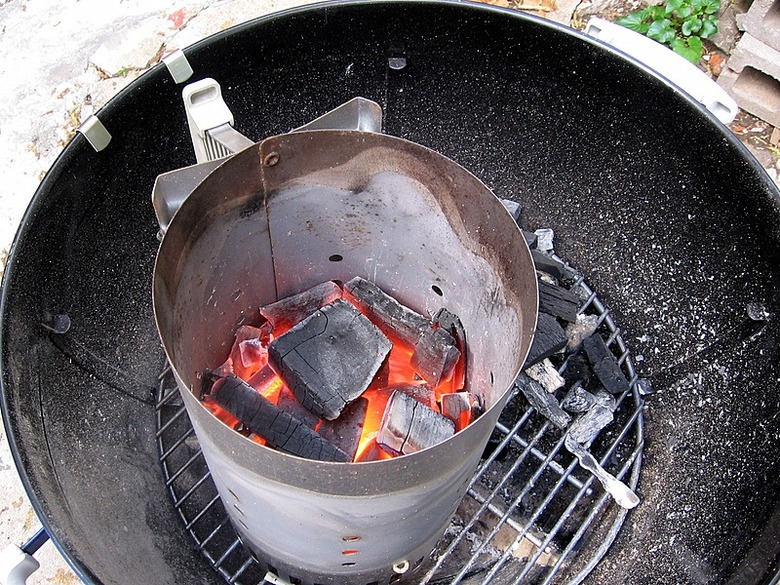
(750, 52)
(763, 22)
(754, 91)
(726, 37)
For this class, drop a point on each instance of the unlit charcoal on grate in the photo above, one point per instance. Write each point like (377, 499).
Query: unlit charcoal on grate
(605, 365)
(578, 400)
(409, 426)
(581, 432)
(531, 239)
(577, 370)
(558, 301)
(581, 329)
(330, 358)
(279, 428)
(345, 431)
(515, 208)
(546, 237)
(544, 402)
(551, 266)
(587, 426)
(292, 310)
(605, 399)
(549, 339)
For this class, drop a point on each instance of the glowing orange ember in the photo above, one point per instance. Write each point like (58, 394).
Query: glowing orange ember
(248, 360)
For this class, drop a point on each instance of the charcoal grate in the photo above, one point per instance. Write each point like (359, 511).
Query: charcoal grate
(531, 514)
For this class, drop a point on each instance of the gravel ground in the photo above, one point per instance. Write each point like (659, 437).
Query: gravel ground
(59, 65)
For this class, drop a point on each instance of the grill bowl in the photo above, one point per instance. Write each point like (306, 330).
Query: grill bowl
(678, 234)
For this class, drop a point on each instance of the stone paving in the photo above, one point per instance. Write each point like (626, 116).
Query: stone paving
(61, 62)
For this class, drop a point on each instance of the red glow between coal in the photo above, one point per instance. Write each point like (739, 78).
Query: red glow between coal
(248, 359)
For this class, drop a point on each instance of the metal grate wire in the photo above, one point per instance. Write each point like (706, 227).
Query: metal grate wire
(531, 514)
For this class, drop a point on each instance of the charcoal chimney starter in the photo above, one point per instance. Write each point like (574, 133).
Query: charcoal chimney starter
(294, 211)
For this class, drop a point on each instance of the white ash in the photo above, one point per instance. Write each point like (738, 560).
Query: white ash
(545, 237)
(545, 373)
(606, 400)
(758, 312)
(582, 328)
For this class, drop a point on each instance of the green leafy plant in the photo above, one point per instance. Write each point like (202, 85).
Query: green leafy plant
(680, 24)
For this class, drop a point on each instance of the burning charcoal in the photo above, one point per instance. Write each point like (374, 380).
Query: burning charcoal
(531, 239)
(605, 365)
(329, 358)
(546, 237)
(276, 426)
(290, 404)
(247, 332)
(513, 207)
(587, 426)
(386, 311)
(420, 392)
(435, 355)
(262, 379)
(558, 301)
(345, 431)
(248, 353)
(222, 371)
(546, 374)
(460, 407)
(549, 338)
(581, 329)
(409, 426)
(252, 352)
(552, 267)
(289, 311)
(382, 376)
(542, 401)
(451, 323)
(372, 452)
(578, 400)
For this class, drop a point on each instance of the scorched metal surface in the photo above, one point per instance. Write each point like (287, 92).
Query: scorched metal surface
(676, 225)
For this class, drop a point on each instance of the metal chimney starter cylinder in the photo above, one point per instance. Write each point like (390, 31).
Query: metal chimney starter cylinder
(303, 208)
